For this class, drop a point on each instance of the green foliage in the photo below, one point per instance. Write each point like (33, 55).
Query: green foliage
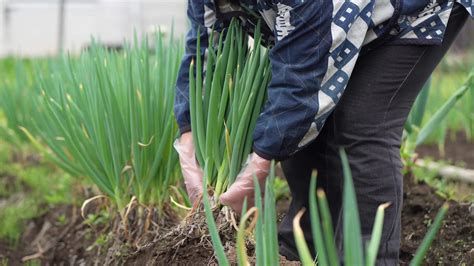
(216, 241)
(15, 98)
(418, 128)
(100, 218)
(26, 190)
(461, 118)
(108, 116)
(13, 217)
(441, 114)
(266, 245)
(101, 241)
(281, 189)
(351, 222)
(265, 231)
(52, 192)
(423, 248)
(224, 109)
(62, 219)
(35, 262)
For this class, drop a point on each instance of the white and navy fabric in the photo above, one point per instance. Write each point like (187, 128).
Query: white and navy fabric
(315, 45)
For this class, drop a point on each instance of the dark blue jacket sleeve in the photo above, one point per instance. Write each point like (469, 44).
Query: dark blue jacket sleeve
(201, 15)
(299, 63)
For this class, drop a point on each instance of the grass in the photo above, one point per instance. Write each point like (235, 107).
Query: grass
(31, 190)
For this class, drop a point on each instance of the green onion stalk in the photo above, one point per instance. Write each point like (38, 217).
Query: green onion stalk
(225, 105)
(108, 115)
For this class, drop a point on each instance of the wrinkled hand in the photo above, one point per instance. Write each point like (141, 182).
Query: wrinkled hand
(244, 187)
(190, 168)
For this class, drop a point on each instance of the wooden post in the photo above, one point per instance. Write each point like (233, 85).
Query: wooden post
(61, 26)
(3, 23)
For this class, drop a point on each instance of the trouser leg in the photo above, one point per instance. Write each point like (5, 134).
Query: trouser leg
(368, 124)
(298, 170)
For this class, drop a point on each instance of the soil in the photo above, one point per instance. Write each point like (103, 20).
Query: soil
(73, 242)
(458, 150)
(454, 244)
(188, 243)
(51, 241)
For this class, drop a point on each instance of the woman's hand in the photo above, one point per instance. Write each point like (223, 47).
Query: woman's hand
(244, 187)
(190, 168)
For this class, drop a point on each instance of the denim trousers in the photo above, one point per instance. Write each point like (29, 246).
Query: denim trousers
(368, 124)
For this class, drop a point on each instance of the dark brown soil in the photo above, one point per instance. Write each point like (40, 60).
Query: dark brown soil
(74, 242)
(51, 241)
(454, 244)
(457, 150)
(188, 243)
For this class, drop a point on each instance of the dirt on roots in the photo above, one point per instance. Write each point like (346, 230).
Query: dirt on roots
(188, 243)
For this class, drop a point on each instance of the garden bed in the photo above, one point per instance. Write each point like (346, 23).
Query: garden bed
(60, 236)
(454, 244)
(457, 150)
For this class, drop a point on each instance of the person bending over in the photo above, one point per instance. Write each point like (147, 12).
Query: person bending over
(345, 75)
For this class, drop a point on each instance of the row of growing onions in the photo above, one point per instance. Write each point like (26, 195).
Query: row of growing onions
(108, 115)
(225, 105)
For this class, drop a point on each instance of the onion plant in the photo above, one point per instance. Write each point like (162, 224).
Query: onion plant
(262, 231)
(415, 132)
(354, 252)
(15, 100)
(224, 105)
(108, 115)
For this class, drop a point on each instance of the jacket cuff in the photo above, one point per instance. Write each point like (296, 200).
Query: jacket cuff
(184, 129)
(268, 156)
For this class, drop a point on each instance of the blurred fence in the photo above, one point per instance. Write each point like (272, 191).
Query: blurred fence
(32, 28)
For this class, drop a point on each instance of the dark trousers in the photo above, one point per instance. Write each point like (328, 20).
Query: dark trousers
(368, 123)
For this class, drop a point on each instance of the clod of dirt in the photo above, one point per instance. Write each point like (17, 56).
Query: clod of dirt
(189, 243)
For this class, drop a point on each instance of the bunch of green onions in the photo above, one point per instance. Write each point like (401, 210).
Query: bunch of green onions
(264, 233)
(108, 115)
(225, 105)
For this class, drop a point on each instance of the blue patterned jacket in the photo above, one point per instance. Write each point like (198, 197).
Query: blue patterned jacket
(315, 46)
